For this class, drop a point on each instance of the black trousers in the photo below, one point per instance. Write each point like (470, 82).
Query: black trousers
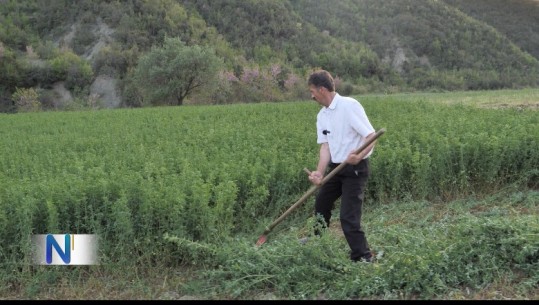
(349, 184)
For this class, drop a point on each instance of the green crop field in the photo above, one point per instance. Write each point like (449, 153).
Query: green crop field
(179, 195)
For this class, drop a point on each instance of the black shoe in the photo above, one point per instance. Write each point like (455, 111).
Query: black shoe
(303, 240)
(369, 258)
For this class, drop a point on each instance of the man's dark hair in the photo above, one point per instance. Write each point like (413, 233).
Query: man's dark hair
(322, 78)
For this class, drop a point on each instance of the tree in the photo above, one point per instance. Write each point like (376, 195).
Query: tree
(168, 74)
(26, 99)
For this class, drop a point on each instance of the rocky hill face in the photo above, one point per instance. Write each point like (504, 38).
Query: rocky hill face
(104, 88)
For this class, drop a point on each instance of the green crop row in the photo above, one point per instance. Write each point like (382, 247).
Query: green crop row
(204, 173)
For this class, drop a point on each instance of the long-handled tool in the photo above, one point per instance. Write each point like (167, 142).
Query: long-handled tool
(263, 237)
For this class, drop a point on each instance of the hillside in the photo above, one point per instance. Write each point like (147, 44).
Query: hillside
(427, 32)
(82, 53)
(519, 20)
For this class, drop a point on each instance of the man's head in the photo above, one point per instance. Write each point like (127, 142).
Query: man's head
(322, 78)
(322, 87)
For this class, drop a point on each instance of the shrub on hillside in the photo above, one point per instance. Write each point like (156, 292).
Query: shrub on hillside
(26, 100)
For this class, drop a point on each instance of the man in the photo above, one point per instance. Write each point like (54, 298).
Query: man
(342, 127)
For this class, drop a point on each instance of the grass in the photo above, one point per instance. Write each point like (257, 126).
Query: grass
(407, 236)
(508, 98)
(477, 247)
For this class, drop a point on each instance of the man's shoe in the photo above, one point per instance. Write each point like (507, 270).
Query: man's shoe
(369, 258)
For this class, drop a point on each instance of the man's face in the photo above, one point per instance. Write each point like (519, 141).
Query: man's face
(316, 93)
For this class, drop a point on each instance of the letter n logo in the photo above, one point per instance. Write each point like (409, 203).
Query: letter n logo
(65, 255)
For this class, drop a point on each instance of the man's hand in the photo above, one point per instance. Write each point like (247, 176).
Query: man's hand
(354, 158)
(315, 177)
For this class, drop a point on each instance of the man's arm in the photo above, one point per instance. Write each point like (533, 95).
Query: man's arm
(323, 161)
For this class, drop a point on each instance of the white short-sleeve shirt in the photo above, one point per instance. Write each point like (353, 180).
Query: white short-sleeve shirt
(344, 125)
